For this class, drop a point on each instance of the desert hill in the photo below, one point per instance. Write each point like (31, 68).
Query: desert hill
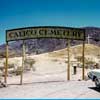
(92, 55)
(90, 49)
(38, 46)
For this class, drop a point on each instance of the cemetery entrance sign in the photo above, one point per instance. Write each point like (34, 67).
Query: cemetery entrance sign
(44, 32)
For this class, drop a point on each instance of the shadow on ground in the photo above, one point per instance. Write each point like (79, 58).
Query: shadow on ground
(95, 89)
(41, 82)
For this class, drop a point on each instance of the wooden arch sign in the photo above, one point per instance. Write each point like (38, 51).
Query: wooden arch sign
(45, 32)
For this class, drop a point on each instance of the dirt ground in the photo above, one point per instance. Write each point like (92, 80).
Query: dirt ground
(50, 81)
(49, 86)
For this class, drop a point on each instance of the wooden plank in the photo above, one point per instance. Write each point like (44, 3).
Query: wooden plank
(68, 69)
(23, 58)
(6, 64)
(83, 57)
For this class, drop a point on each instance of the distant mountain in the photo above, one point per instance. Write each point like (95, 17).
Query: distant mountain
(37, 46)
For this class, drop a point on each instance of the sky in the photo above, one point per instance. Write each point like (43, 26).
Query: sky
(30, 13)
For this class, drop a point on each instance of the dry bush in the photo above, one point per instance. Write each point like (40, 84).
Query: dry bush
(18, 71)
(29, 64)
(66, 61)
(55, 60)
(15, 69)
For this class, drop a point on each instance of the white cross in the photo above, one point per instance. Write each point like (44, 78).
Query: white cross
(88, 39)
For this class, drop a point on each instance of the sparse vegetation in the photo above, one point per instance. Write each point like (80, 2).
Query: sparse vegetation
(55, 60)
(14, 68)
(29, 64)
(18, 70)
(77, 51)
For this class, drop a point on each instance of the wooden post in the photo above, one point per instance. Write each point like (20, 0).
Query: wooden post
(68, 68)
(23, 58)
(6, 64)
(83, 58)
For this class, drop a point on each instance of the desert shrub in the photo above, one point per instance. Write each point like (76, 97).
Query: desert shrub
(9, 65)
(11, 69)
(18, 71)
(66, 61)
(79, 58)
(1, 75)
(29, 64)
(55, 60)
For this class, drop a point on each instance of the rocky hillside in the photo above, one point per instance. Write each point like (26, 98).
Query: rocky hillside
(90, 50)
(37, 46)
